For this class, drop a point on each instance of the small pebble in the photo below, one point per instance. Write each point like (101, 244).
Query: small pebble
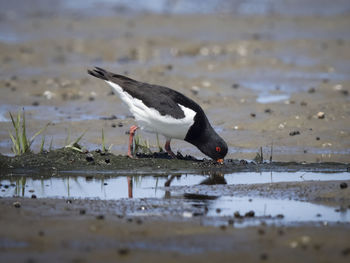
(68, 201)
(261, 231)
(100, 217)
(41, 233)
(343, 185)
(311, 90)
(218, 210)
(250, 214)
(237, 215)
(89, 157)
(321, 115)
(223, 227)
(82, 211)
(293, 133)
(317, 138)
(346, 251)
(107, 160)
(263, 256)
(235, 85)
(253, 115)
(17, 204)
(123, 251)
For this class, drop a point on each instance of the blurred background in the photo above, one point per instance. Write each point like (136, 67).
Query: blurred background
(271, 73)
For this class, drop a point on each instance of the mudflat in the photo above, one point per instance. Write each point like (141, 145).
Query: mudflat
(273, 79)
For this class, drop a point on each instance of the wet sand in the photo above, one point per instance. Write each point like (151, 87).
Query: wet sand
(234, 66)
(276, 78)
(90, 230)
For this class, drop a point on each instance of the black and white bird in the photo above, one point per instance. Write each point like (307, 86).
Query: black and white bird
(161, 110)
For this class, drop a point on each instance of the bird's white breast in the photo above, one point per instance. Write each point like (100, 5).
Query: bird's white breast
(149, 119)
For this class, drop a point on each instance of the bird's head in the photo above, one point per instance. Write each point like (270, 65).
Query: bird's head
(215, 147)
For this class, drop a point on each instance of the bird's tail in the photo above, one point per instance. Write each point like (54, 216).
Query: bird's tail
(109, 76)
(99, 73)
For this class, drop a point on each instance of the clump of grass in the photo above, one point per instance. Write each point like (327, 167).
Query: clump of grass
(141, 145)
(74, 145)
(104, 149)
(259, 158)
(20, 142)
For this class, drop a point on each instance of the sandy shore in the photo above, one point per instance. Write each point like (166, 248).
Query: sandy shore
(234, 66)
(274, 75)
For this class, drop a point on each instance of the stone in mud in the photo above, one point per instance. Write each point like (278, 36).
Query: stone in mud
(89, 157)
(293, 133)
(123, 251)
(346, 251)
(261, 231)
(100, 217)
(237, 215)
(311, 90)
(264, 256)
(321, 115)
(343, 185)
(17, 204)
(250, 214)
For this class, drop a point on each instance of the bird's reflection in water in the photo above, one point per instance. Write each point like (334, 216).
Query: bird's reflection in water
(215, 178)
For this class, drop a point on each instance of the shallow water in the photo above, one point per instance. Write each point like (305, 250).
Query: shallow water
(81, 186)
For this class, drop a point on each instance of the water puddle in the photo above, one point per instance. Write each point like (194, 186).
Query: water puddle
(83, 186)
(271, 98)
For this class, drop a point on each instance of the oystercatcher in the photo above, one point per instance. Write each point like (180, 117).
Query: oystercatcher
(159, 109)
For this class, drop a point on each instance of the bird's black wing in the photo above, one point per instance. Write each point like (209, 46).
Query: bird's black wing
(166, 101)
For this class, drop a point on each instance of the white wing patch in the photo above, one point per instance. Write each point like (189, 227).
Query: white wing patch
(150, 120)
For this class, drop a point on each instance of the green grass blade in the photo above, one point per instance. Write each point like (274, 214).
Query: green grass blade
(42, 143)
(103, 141)
(38, 133)
(79, 138)
(15, 146)
(24, 140)
(18, 133)
(75, 148)
(50, 147)
(15, 140)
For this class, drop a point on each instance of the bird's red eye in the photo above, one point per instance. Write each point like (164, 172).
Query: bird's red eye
(218, 149)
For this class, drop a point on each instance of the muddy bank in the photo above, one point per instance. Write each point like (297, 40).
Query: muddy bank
(92, 231)
(68, 160)
(261, 78)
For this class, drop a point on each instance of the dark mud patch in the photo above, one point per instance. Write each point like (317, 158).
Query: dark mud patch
(70, 160)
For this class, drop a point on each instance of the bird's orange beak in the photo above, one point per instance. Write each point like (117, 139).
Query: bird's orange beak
(220, 161)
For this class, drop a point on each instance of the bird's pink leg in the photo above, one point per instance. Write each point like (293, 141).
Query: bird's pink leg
(130, 195)
(131, 138)
(168, 149)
